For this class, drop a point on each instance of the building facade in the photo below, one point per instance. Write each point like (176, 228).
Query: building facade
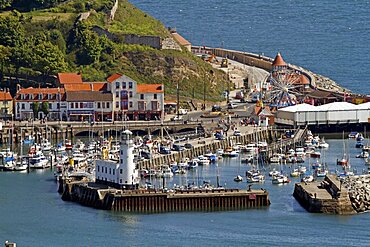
(6, 105)
(40, 101)
(133, 101)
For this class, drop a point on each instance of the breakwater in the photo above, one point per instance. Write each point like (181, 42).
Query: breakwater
(358, 188)
(327, 196)
(161, 200)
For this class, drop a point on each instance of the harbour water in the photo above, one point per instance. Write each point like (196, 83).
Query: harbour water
(327, 37)
(32, 213)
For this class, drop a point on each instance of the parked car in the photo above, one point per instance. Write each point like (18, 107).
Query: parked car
(164, 150)
(237, 133)
(178, 147)
(216, 108)
(188, 146)
(231, 106)
(177, 118)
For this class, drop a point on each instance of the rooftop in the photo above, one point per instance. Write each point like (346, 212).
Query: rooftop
(279, 61)
(88, 96)
(68, 78)
(149, 88)
(181, 39)
(5, 96)
(113, 77)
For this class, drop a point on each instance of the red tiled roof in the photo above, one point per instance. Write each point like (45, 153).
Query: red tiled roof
(181, 39)
(32, 90)
(36, 91)
(68, 78)
(149, 88)
(5, 96)
(279, 61)
(113, 77)
(100, 86)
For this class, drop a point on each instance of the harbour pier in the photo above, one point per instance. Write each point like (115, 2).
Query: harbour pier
(162, 200)
(327, 196)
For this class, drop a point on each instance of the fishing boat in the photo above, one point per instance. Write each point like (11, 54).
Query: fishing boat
(343, 161)
(45, 145)
(238, 178)
(360, 137)
(308, 178)
(230, 152)
(21, 165)
(274, 172)
(359, 144)
(353, 134)
(295, 173)
(276, 159)
(280, 179)
(321, 172)
(323, 143)
(68, 144)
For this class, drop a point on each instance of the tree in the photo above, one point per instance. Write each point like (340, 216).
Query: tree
(12, 30)
(4, 58)
(45, 108)
(35, 109)
(5, 3)
(47, 58)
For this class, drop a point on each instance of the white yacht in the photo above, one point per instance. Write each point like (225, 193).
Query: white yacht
(39, 161)
(45, 145)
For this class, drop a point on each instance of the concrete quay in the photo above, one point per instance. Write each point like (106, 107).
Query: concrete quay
(163, 200)
(327, 196)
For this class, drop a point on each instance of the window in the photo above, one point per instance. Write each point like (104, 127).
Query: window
(130, 84)
(114, 172)
(40, 95)
(108, 105)
(117, 104)
(98, 168)
(155, 96)
(30, 96)
(110, 170)
(76, 105)
(123, 85)
(121, 152)
(131, 104)
(22, 96)
(50, 96)
(117, 94)
(141, 96)
(106, 170)
(117, 85)
(72, 105)
(121, 161)
(81, 105)
(120, 171)
(98, 105)
(130, 94)
(23, 106)
(58, 106)
(50, 106)
(120, 181)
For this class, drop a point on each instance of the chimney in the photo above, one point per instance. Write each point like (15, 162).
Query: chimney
(92, 86)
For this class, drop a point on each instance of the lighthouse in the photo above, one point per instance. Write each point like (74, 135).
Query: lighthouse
(127, 172)
(122, 174)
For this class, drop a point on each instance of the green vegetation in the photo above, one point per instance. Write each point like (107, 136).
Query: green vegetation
(43, 37)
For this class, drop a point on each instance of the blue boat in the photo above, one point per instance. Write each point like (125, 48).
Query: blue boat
(359, 144)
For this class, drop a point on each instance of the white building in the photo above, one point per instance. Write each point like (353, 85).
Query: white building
(135, 101)
(333, 113)
(27, 97)
(121, 174)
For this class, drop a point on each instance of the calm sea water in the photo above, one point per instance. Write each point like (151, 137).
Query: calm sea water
(326, 36)
(32, 214)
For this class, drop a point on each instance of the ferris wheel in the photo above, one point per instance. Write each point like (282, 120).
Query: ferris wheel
(284, 90)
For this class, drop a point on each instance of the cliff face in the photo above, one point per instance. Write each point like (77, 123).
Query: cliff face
(172, 67)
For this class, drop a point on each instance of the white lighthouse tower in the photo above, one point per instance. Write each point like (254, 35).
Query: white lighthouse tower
(127, 173)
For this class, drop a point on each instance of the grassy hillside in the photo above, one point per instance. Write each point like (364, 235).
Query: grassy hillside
(45, 41)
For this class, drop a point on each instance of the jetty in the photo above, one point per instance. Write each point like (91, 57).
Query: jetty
(328, 196)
